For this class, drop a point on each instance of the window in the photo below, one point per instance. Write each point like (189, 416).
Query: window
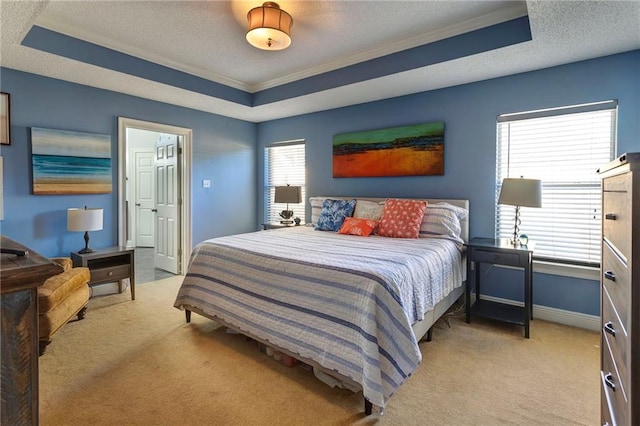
(284, 164)
(563, 147)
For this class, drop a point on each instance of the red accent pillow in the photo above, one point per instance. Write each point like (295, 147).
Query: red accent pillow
(358, 226)
(401, 218)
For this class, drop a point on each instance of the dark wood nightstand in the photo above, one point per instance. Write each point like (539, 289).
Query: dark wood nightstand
(109, 265)
(266, 226)
(500, 252)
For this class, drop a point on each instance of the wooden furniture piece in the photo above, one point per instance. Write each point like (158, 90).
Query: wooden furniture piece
(20, 277)
(266, 226)
(620, 291)
(499, 252)
(109, 265)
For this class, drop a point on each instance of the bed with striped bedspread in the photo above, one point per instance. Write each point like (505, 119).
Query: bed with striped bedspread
(345, 302)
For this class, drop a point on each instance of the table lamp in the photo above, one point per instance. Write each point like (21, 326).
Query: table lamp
(84, 220)
(520, 192)
(287, 194)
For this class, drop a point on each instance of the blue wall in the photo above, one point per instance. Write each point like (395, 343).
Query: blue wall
(223, 151)
(469, 112)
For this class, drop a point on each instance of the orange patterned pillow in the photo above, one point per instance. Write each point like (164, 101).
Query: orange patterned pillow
(357, 226)
(402, 218)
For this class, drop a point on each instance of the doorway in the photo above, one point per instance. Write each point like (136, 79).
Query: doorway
(154, 196)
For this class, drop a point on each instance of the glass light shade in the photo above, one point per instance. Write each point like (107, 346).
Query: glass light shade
(84, 219)
(269, 27)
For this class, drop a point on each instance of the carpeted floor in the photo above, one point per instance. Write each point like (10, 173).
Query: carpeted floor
(139, 363)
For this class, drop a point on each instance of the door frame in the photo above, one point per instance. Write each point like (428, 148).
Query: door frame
(125, 123)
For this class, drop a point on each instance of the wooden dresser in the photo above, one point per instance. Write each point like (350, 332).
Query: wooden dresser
(20, 277)
(620, 291)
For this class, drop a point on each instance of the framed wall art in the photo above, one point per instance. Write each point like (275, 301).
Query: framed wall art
(5, 120)
(397, 151)
(66, 162)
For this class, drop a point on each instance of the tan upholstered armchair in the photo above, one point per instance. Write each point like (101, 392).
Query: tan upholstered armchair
(60, 298)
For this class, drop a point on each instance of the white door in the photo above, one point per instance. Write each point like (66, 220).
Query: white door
(144, 202)
(167, 250)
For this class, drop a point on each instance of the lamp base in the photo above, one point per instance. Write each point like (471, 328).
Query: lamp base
(86, 248)
(515, 243)
(515, 240)
(286, 222)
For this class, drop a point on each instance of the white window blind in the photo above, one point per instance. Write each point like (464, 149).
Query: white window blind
(284, 165)
(563, 147)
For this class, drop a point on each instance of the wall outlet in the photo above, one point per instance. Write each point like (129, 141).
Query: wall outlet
(206, 183)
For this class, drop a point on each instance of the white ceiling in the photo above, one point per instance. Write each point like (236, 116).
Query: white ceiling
(206, 39)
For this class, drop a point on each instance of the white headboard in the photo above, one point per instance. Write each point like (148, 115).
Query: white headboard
(464, 224)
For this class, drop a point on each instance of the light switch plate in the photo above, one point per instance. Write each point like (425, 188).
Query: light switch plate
(206, 183)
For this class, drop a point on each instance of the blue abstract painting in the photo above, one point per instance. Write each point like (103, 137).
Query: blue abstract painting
(66, 162)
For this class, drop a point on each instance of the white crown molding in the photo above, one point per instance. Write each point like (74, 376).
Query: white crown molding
(54, 24)
(502, 15)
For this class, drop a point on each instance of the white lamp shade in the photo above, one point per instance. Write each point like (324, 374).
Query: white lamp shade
(269, 27)
(521, 192)
(288, 194)
(84, 219)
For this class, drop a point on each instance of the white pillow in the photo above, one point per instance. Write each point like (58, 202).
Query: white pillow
(368, 209)
(316, 208)
(442, 220)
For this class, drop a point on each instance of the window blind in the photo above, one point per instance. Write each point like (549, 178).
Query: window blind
(563, 147)
(284, 165)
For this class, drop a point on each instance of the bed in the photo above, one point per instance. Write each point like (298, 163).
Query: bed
(353, 308)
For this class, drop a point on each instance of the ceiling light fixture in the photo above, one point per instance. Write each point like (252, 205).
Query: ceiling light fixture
(269, 27)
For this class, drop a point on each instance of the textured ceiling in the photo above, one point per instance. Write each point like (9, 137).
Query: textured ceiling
(206, 39)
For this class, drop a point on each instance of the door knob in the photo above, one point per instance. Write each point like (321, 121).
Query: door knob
(608, 327)
(154, 210)
(138, 204)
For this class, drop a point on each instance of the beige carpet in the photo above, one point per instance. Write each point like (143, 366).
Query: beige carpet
(139, 363)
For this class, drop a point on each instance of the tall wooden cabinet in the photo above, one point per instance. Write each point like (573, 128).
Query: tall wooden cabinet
(620, 291)
(21, 272)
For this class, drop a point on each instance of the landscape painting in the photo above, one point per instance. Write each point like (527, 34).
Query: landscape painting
(66, 162)
(397, 151)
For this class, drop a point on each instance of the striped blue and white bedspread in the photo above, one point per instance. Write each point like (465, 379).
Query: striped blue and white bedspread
(343, 301)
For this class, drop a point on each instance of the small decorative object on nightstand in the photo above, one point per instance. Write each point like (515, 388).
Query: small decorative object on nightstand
(499, 252)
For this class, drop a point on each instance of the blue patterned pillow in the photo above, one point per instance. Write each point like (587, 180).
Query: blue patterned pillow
(333, 214)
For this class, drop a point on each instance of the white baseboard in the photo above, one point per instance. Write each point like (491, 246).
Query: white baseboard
(574, 319)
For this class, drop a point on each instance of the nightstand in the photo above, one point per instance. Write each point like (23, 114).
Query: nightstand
(109, 265)
(266, 226)
(499, 252)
